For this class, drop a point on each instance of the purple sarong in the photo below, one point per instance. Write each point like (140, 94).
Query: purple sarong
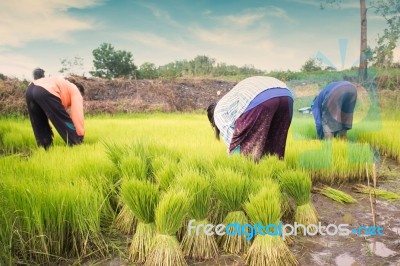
(263, 129)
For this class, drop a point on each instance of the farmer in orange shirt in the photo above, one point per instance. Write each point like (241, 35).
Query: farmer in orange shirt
(48, 99)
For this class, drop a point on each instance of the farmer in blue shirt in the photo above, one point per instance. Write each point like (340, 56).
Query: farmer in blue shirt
(254, 117)
(333, 109)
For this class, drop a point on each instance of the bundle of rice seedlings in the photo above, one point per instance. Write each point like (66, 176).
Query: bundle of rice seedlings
(268, 248)
(197, 246)
(271, 166)
(125, 220)
(335, 194)
(381, 193)
(232, 190)
(142, 198)
(133, 166)
(169, 215)
(298, 185)
(164, 171)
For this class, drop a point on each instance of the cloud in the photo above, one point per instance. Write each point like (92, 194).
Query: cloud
(343, 4)
(151, 40)
(252, 16)
(16, 65)
(161, 14)
(24, 21)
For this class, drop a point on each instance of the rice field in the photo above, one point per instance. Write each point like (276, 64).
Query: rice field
(147, 175)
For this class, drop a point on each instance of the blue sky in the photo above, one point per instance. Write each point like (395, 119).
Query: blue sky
(271, 35)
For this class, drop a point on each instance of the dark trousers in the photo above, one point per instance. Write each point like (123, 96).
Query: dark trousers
(44, 106)
(263, 130)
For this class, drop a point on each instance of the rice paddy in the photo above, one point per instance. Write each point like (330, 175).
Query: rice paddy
(147, 176)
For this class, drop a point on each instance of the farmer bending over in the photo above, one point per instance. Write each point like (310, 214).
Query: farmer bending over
(254, 117)
(333, 109)
(48, 99)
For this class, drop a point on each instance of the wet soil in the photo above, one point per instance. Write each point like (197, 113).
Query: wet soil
(352, 250)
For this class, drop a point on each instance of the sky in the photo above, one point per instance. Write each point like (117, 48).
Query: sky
(268, 34)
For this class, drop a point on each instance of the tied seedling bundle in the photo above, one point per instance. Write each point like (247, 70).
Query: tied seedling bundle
(268, 247)
(142, 198)
(131, 166)
(297, 184)
(381, 193)
(197, 246)
(232, 190)
(169, 215)
(164, 168)
(335, 194)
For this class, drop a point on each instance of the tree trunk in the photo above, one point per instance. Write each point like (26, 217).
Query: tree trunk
(362, 70)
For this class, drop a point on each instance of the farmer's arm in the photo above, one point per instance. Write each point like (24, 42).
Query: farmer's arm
(77, 111)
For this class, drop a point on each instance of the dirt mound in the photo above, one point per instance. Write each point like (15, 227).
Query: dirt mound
(126, 96)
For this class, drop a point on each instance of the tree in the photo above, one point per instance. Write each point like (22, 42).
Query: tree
(201, 65)
(383, 53)
(147, 71)
(72, 66)
(362, 69)
(388, 9)
(311, 65)
(110, 63)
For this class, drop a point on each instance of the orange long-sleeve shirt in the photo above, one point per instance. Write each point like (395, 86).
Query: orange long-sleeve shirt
(70, 97)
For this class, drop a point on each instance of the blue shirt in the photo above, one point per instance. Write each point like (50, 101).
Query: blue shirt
(267, 95)
(317, 104)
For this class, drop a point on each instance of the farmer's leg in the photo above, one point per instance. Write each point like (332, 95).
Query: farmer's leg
(251, 130)
(279, 128)
(342, 133)
(59, 118)
(348, 104)
(39, 121)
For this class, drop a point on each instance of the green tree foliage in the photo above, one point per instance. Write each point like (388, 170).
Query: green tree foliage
(169, 71)
(110, 63)
(383, 52)
(311, 65)
(201, 65)
(147, 71)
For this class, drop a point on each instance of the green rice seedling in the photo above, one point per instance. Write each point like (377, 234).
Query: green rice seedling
(271, 166)
(385, 139)
(268, 247)
(232, 189)
(335, 194)
(197, 246)
(142, 198)
(330, 161)
(381, 193)
(133, 166)
(164, 170)
(298, 185)
(170, 212)
(115, 152)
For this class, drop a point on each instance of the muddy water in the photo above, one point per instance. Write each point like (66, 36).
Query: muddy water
(356, 250)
